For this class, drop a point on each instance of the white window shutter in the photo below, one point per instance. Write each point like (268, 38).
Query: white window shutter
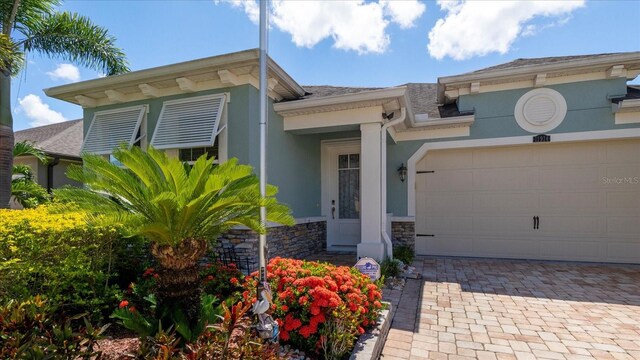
(111, 128)
(187, 123)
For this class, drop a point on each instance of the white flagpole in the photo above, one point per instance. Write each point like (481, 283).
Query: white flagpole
(263, 138)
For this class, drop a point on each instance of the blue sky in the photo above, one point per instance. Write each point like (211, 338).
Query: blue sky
(355, 43)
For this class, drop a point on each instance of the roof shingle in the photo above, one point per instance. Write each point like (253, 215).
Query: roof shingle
(63, 138)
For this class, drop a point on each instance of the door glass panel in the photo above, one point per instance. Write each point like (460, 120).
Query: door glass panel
(349, 186)
(354, 160)
(343, 161)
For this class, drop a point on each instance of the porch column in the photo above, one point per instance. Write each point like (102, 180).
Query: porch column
(371, 244)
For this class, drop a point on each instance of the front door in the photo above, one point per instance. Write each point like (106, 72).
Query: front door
(341, 194)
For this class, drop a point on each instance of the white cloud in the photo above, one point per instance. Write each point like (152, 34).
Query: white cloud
(404, 13)
(352, 25)
(65, 72)
(39, 112)
(250, 7)
(476, 28)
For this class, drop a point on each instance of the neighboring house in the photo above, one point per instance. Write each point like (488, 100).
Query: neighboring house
(61, 143)
(534, 159)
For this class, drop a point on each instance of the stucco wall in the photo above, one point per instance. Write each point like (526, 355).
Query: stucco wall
(588, 109)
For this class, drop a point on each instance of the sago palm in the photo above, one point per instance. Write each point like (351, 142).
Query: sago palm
(34, 26)
(179, 210)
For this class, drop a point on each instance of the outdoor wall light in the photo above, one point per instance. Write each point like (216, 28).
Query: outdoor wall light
(402, 171)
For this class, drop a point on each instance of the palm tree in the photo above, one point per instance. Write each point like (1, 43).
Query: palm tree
(24, 189)
(177, 209)
(35, 26)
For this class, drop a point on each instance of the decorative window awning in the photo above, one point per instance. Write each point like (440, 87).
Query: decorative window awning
(188, 123)
(111, 128)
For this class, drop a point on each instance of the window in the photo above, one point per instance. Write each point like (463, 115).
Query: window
(192, 154)
(189, 123)
(111, 128)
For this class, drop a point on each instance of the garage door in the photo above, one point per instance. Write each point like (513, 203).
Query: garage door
(484, 202)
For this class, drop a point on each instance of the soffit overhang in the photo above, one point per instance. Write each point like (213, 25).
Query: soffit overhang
(390, 99)
(614, 66)
(214, 72)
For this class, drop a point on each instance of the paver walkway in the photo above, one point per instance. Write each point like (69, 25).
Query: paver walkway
(511, 309)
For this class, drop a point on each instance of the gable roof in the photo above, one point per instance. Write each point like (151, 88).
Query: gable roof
(523, 62)
(63, 138)
(422, 96)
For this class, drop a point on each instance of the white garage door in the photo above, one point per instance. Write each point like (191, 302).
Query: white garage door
(482, 202)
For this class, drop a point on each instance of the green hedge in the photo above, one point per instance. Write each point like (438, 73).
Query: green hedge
(57, 255)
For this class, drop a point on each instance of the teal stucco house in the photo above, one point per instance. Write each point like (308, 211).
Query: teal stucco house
(532, 159)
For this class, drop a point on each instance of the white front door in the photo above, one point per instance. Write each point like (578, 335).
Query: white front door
(341, 194)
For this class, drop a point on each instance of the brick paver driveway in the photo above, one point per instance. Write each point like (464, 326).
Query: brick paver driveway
(512, 309)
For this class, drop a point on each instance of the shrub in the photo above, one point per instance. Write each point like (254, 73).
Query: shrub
(404, 253)
(320, 307)
(221, 280)
(137, 310)
(59, 256)
(230, 337)
(390, 267)
(27, 331)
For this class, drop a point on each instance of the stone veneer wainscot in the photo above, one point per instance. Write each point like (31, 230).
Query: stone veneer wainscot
(403, 233)
(297, 241)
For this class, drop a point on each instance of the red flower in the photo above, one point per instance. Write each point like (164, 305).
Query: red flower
(314, 310)
(285, 308)
(284, 335)
(210, 278)
(360, 330)
(148, 272)
(234, 281)
(133, 309)
(291, 323)
(303, 300)
(123, 304)
(307, 331)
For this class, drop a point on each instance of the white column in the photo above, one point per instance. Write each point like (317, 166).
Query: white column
(371, 244)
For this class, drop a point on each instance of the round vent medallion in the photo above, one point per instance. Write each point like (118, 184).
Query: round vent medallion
(540, 110)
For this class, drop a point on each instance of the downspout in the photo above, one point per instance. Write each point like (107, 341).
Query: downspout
(50, 165)
(383, 179)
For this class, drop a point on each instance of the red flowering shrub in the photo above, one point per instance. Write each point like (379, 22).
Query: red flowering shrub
(309, 296)
(220, 280)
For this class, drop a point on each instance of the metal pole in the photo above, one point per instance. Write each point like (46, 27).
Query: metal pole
(263, 138)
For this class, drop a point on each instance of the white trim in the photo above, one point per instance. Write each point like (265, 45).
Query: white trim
(622, 118)
(402, 219)
(615, 59)
(491, 142)
(286, 86)
(441, 123)
(142, 114)
(334, 118)
(523, 116)
(626, 106)
(426, 134)
(450, 92)
(390, 98)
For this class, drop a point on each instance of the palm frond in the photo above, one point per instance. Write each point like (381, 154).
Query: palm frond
(75, 38)
(24, 148)
(165, 203)
(28, 193)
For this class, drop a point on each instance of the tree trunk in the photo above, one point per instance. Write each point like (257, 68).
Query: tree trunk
(179, 281)
(6, 139)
